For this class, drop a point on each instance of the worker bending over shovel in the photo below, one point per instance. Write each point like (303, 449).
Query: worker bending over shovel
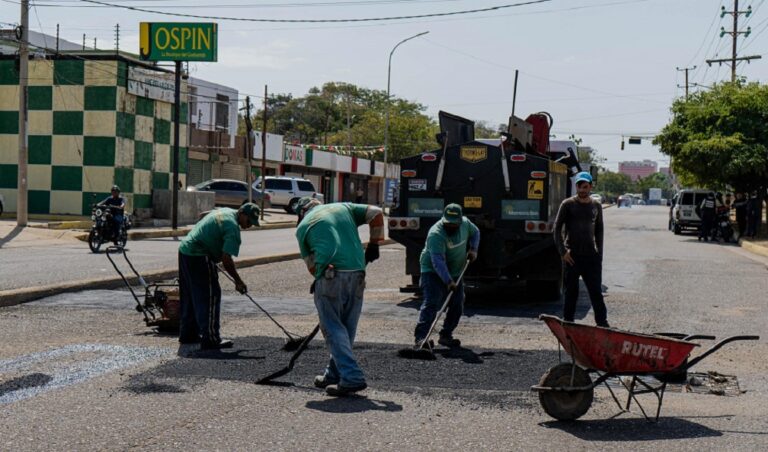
(216, 237)
(450, 243)
(330, 246)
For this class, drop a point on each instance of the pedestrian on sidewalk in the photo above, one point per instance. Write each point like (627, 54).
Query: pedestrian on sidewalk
(359, 194)
(579, 239)
(706, 211)
(330, 246)
(214, 239)
(740, 206)
(450, 243)
(754, 212)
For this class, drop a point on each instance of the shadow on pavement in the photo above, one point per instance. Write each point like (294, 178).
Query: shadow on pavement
(638, 429)
(353, 404)
(11, 235)
(497, 377)
(24, 382)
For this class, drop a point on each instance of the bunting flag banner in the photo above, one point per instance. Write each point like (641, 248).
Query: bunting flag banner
(346, 150)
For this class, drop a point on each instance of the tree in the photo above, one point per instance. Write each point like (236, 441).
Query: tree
(345, 114)
(718, 137)
(613, 184)
(655, 180)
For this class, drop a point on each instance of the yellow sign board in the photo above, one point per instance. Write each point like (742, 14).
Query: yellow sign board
(535, 189)
(473, 202)
(178, 41)
(473, 154)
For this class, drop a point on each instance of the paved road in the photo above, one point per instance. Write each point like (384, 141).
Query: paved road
(53, 262)
(79, 371)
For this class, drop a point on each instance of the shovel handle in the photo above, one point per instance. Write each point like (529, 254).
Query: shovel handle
(444, 307)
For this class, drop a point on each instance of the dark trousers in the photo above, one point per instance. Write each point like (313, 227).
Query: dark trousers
(707, 221)
(590, 268)
(435, 291)
(117, 221)
(200, 297)
(741, 221)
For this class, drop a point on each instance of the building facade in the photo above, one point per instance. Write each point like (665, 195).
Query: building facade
(95, 119)
(638, 170)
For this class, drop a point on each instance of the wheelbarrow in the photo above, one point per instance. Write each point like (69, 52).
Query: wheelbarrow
(566, 390)
(161, 305)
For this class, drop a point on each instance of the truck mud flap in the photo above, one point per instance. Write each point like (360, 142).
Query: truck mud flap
(530, 250)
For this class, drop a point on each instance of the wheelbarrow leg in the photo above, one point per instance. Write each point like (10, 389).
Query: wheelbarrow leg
(631, 390)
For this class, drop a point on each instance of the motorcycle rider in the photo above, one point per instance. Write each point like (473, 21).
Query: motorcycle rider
(117, 203)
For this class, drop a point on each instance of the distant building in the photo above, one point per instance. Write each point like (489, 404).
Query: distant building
(638, 170)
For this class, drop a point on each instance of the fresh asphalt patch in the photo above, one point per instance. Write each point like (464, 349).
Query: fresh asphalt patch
(497, 377)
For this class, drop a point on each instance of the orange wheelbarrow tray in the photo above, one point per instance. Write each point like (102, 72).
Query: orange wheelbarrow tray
(566, 391)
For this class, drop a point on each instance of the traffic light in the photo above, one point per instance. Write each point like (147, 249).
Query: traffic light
(622, 145)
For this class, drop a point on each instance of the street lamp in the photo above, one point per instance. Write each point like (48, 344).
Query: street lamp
(386, 120)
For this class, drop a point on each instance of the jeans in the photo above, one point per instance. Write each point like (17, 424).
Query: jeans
(339, 301)
(707, 221)
(117, 221)
(435, 291)
(200, 299)
(590, 268)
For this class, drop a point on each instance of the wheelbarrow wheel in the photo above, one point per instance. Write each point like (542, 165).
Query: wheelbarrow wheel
(561, 405)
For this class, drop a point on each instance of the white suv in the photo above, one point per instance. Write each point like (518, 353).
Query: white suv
(285, 191)
(684, 214)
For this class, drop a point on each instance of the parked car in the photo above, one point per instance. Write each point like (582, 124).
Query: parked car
(684, 214)
(625, 200)
(231, 193)
(597, 197)
(285, 191)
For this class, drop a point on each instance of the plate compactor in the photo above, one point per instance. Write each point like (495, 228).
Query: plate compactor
(161, 301)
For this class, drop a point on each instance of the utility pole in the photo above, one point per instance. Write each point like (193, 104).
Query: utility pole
(686, 78)
(176, 121)
(83, 41)
(264, 153)
(734, 59)
(21, 197)
(248, 150)
(57, 39)
(117, 38)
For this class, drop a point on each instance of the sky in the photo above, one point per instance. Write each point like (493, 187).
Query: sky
(602, 68)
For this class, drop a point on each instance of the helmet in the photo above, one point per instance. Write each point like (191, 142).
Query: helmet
(115, 188)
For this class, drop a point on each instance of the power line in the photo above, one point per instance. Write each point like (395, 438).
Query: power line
(368, 19)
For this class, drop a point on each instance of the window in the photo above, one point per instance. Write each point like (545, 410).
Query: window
(237, 186)
(306, 186)
(279, 184)
(699, 198)
(222, 112)
(219, 186)
(687, 199)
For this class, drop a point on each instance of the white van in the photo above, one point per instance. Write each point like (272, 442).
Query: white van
(285, 191)
(684, 214)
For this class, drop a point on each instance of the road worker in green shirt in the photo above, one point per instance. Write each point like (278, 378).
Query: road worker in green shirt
(215, 238)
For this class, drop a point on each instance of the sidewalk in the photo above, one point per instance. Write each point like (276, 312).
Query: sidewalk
(756, 246)
(67, 230)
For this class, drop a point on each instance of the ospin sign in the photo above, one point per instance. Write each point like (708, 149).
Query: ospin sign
(178, 41)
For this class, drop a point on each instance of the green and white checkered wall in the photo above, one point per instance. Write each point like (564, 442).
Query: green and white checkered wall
(86, 133)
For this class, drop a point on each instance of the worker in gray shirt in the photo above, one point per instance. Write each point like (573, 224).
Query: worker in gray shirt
(579, 239)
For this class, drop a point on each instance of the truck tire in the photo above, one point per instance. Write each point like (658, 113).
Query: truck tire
(677, 229)
(544, 290)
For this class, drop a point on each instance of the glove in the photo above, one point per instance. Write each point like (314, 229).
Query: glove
(452, 286)
(241, 287)
(472, 256)
(371, 252)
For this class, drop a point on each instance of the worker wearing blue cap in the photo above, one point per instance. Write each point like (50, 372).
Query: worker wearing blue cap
(579, 239)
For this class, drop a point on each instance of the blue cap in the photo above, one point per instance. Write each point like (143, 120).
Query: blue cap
(584, 177)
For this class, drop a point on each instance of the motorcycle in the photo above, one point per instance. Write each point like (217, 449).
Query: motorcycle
(723, 229)
(102, 231)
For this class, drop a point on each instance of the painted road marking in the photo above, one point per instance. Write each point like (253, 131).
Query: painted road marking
(67, 366)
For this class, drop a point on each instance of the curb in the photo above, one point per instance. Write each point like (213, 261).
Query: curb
(14, 297)
(752, 248)
(138, 234)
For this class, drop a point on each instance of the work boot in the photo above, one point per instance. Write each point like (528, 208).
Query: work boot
(341, 391)
(322, 382)
(208, 345)
(603, 324)
(449, 341)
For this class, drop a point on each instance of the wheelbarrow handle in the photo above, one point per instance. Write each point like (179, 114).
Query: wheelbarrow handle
(717, 346)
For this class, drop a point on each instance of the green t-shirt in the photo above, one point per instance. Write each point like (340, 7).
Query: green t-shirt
(454, 247)
(217, 233)
(328, 233)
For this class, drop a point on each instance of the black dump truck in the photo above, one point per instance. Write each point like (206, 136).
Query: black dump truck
(509, 187)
